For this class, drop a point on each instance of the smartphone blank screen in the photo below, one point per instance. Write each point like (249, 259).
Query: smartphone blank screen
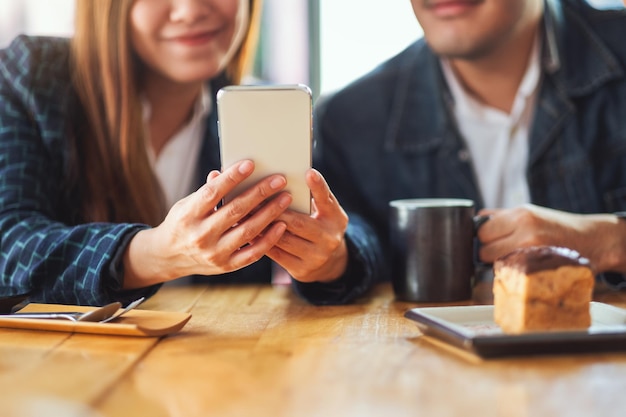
(272, 126)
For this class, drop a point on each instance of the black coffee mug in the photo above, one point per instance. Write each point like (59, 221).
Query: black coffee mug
(433, 249)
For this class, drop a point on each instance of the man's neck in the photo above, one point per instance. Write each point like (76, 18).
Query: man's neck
(495, 79)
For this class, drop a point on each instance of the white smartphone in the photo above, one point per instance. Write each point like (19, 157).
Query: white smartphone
(272, 126)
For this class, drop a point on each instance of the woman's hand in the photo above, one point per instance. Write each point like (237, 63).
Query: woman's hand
(599, 237)
(313, 248)
(197, 238)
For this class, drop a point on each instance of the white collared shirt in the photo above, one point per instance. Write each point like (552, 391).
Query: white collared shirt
(176, 164)
(497, 141)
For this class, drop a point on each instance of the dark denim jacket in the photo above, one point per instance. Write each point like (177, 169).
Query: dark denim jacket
(390, 134)
(45, 249)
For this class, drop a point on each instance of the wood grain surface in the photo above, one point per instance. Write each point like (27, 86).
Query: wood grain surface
(260, 351)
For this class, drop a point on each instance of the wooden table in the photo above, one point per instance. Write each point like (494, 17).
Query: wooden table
(260, 351)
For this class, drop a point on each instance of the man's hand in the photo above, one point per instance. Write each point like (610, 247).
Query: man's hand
(599, 237)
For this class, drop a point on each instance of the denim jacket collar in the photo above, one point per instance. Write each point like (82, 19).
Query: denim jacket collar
(588, 63)
(413, 111)
(420, 119)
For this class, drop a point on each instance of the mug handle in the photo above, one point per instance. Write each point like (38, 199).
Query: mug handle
(479, 220)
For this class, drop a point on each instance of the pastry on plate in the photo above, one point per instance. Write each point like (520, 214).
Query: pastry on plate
(542, 288)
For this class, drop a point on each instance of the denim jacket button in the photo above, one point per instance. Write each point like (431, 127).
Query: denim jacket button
(464, 155)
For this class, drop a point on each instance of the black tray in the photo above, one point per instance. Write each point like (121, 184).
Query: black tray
(472, 329)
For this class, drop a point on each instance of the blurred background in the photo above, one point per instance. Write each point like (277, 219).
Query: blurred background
(322, 43)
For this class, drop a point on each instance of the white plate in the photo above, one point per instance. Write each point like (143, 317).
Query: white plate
(472, 328)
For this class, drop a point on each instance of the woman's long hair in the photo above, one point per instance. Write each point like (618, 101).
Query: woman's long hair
(109, 164)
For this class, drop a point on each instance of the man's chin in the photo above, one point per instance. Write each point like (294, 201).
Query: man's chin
(458, 50)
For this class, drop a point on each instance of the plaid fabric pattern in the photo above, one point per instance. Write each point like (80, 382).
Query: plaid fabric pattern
(39, 253)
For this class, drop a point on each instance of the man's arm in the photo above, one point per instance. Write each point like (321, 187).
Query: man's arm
(599, 237)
